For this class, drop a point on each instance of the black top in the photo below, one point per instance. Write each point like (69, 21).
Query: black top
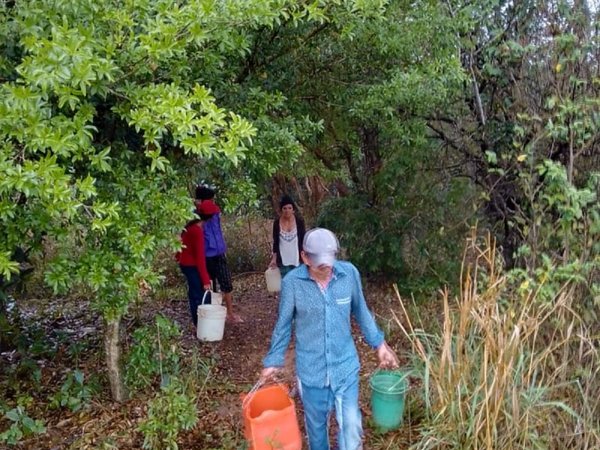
(300, 229)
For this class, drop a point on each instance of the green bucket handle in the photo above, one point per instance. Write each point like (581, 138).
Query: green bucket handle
(403, 373)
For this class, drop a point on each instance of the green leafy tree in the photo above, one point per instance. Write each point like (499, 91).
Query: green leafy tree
(531, 95)
(106, 109)
(373, 83)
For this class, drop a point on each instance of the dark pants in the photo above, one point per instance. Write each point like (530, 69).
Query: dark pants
(195, 290)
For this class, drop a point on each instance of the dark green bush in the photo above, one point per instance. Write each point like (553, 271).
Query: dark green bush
(370, 239)
(412, 239)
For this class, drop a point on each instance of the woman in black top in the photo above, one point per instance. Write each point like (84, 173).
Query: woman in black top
(288, 234)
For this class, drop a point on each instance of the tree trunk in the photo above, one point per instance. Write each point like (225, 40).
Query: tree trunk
(112, 350)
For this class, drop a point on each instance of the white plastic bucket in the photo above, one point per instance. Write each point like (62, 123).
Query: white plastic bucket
(273, 278)
(211, 322)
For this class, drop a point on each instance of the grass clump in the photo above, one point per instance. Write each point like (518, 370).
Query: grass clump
(508, 370)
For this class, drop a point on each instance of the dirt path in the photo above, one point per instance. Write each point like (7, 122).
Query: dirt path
(240, 353)
(239, 356)
(235, 362)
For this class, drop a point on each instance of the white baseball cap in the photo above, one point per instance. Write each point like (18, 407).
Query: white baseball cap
(321, 245)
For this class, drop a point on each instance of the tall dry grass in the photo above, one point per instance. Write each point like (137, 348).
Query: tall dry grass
(507, 371)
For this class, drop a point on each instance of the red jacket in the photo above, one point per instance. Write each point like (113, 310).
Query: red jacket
(192, 253)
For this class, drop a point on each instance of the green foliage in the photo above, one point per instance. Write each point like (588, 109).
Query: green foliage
(153, 354)
(21, 377)
(22, 425)
(105, 108)
(172, 410)
(74, 394)
(191, 119)
(109, 111)
(411, 235)
(563, 218)
(36, 343)
(561, 231)
(531, 96)
(366, 234)
(371, 83)
(116, 253)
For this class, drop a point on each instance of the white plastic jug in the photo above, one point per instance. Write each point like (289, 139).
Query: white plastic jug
(216, 298)
(211, 321)
(273, 277)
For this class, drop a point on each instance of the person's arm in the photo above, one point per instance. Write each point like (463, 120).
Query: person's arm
(301, 230)
(273, 262)
(373, 335)
(280, 340)
(200, 255)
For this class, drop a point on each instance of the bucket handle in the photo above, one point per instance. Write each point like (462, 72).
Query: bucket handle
(251, 393)
(204, 296)
(404, 373)
(260, 383)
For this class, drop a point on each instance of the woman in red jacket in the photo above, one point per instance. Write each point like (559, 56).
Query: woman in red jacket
(192, 262)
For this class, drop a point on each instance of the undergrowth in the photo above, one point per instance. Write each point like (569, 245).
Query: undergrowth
(510, 370)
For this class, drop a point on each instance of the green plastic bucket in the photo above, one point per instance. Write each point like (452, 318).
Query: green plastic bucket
(388, 391)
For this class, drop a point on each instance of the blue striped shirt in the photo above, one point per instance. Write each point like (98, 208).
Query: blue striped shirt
(325, 350)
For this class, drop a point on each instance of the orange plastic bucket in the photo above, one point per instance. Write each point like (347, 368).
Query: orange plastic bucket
(270, 419)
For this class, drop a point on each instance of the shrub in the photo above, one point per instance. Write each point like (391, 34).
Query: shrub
(172, 410)
(154, 353)
(248, 243)
(74, 393)
(21, 425)
(391, 240)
